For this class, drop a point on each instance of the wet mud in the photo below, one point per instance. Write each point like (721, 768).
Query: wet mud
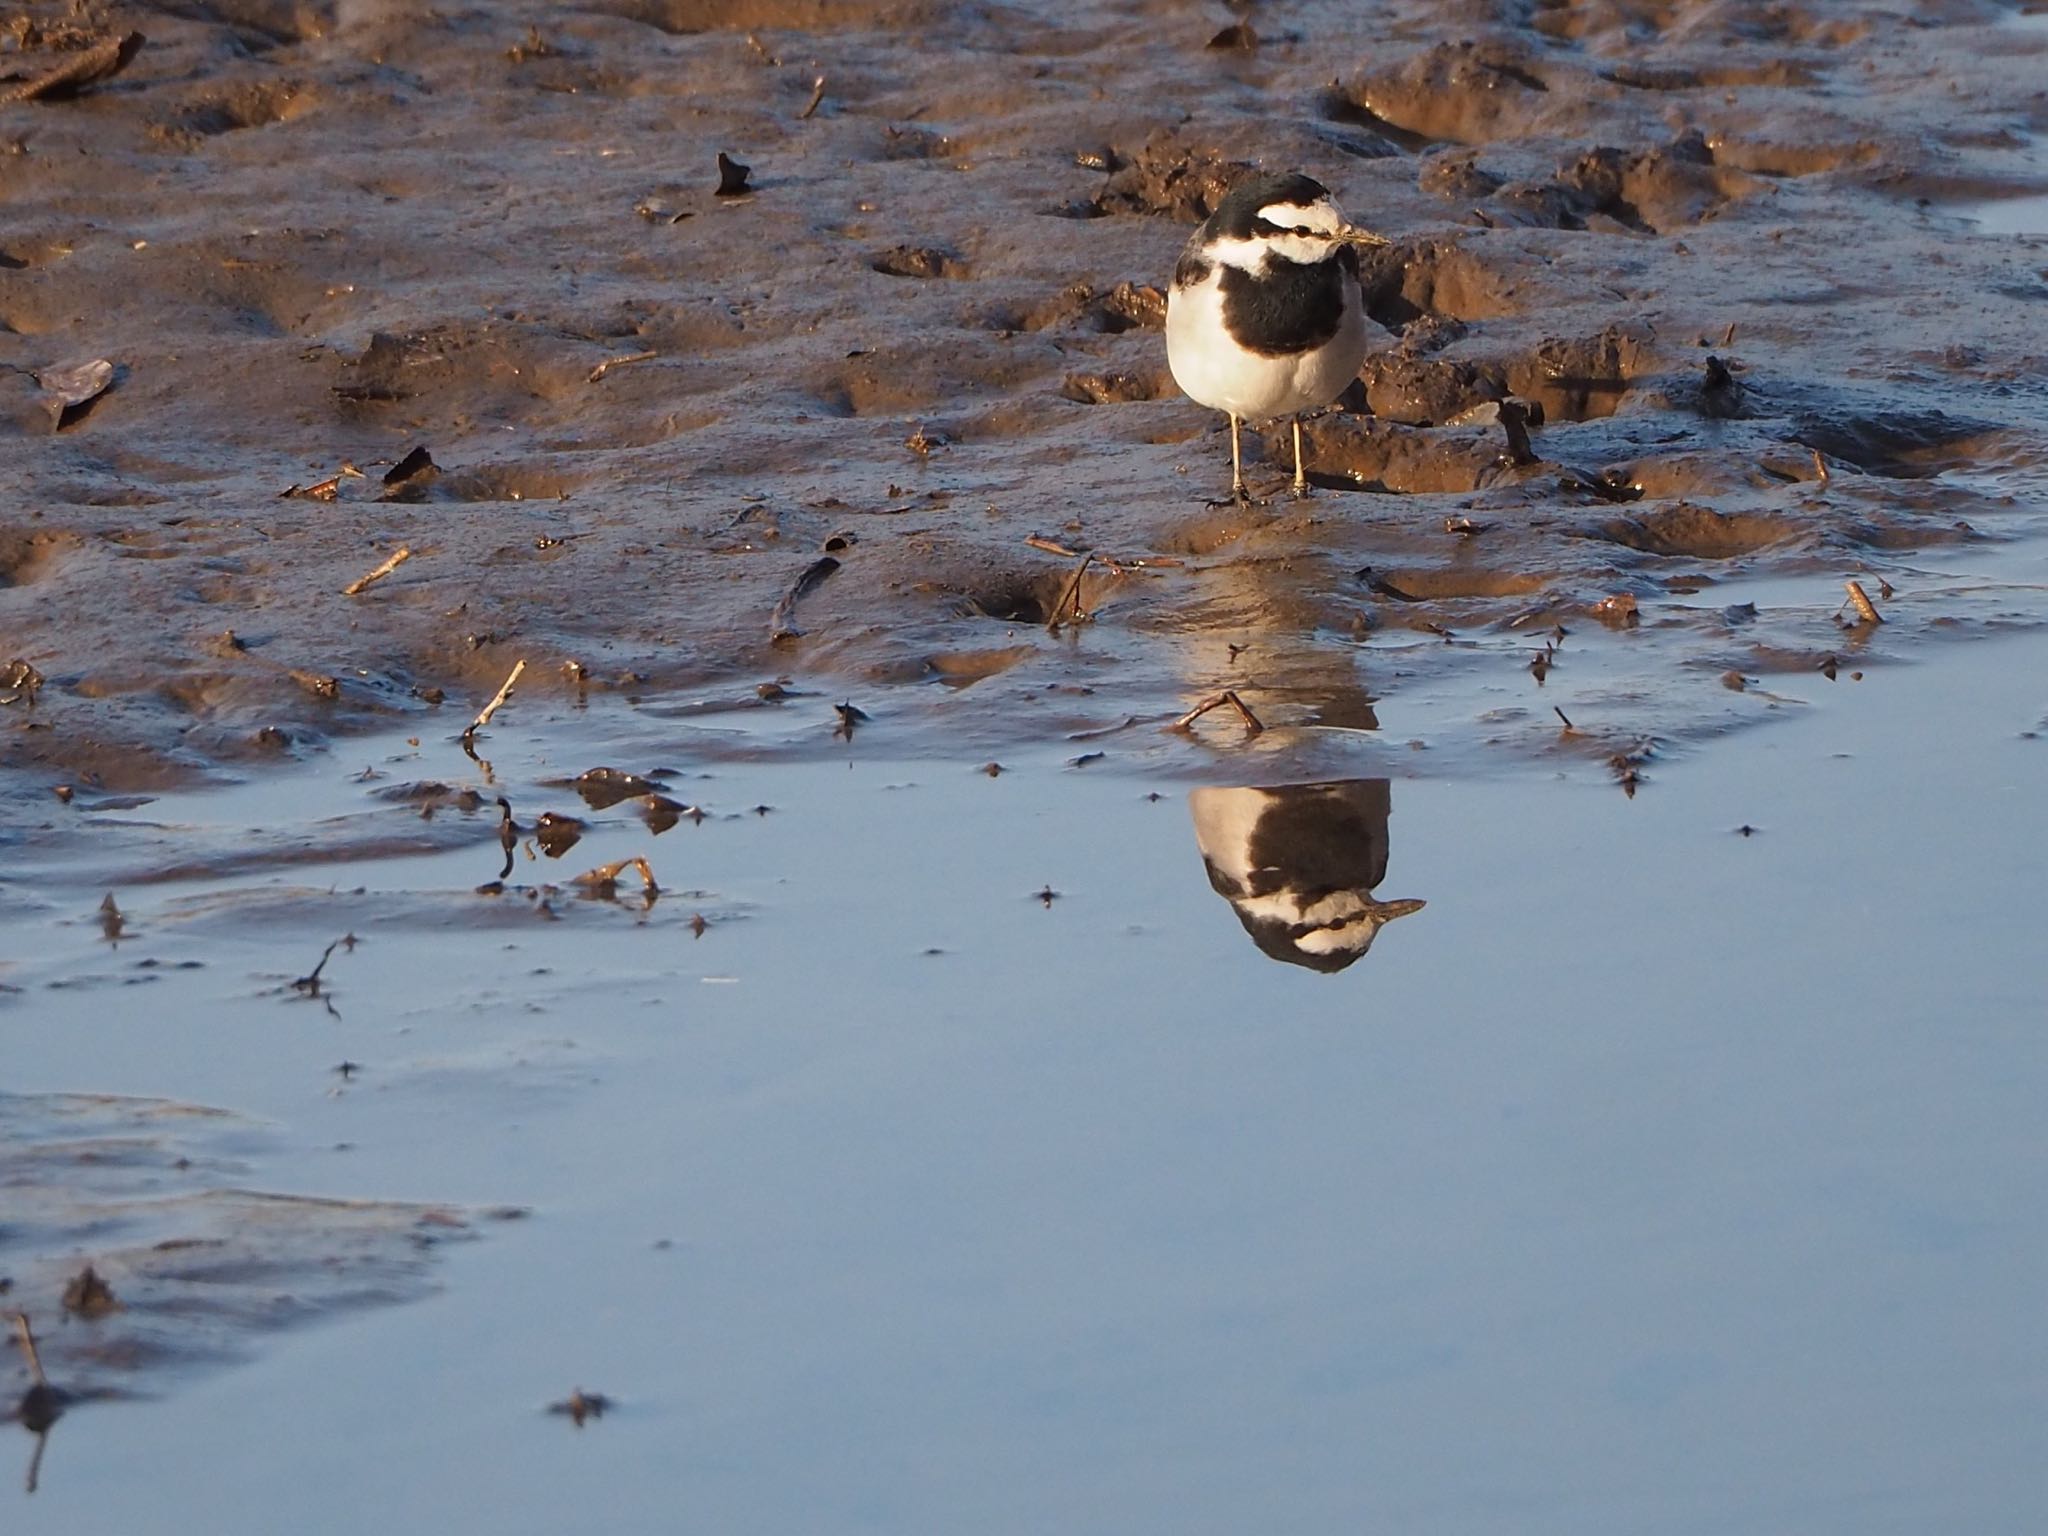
(1739, 256)
(136, 1253)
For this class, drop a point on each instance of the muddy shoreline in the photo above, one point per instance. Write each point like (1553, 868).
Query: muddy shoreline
(326, 235)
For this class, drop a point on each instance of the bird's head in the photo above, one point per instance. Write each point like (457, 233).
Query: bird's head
(1291, 217)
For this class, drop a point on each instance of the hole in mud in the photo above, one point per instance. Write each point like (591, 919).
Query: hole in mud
(504, 482)
(232, 110)
(26, 558)
(921, 261)
(917, 377)
(1695, 532)
(1126, 307)
(1115, 387)
(1022, 600)
(1456, 93)
(1443, 585)
(1898, 445)
(1409, 282)
(1650, 191)
(1337, 107)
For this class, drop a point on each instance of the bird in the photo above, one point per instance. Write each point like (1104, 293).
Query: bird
(1264, 317)
(1298, 863)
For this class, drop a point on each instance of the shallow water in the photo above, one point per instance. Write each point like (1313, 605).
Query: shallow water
(2012, 216)
(1653, 1177)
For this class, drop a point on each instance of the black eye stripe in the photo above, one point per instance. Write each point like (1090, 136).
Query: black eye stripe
(1264, 226)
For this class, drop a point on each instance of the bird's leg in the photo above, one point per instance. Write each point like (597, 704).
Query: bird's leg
(1239, 496)
(1300, 476)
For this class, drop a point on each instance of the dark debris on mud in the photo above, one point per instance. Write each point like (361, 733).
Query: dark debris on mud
(1689, 257)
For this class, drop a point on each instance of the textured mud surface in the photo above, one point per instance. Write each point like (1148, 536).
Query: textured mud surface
(135, 1247)
(1728, 247)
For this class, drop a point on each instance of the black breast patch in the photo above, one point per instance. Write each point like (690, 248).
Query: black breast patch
(1291, 307)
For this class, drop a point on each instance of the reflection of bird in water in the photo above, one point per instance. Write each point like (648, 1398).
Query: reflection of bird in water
(1265, 317)
(1298, 863)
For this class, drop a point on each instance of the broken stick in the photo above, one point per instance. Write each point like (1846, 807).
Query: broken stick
(1070, 594)
(362, 583)
(504, 692)
(610, 363)
(1866, 610)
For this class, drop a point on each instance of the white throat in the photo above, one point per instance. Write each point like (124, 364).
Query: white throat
(1255, 254)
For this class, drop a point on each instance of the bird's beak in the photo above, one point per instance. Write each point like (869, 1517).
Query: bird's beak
(1384, 912)
(1351, 234)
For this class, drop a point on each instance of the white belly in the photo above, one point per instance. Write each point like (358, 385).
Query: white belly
(1214, 370)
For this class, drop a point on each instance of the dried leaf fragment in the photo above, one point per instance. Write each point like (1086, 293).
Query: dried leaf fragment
(557, 833)
(87, 1294)
(20, 683)
(1618, 610)
(603, 788)
(580, 1405)
(604, 880)
(319, 684)
(73, 386)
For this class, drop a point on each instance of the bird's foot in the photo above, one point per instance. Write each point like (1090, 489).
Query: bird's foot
(1238, 497)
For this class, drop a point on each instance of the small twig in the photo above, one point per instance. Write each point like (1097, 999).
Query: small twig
(483, 717)
(1070, 594)
(1252, 727)
(309, 984)
(610, 363)
(1820, 465)
(1569, 728)
(362, 583)
(817, 95)
(1866, 610)
(1052, 547)
(27, 1335)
